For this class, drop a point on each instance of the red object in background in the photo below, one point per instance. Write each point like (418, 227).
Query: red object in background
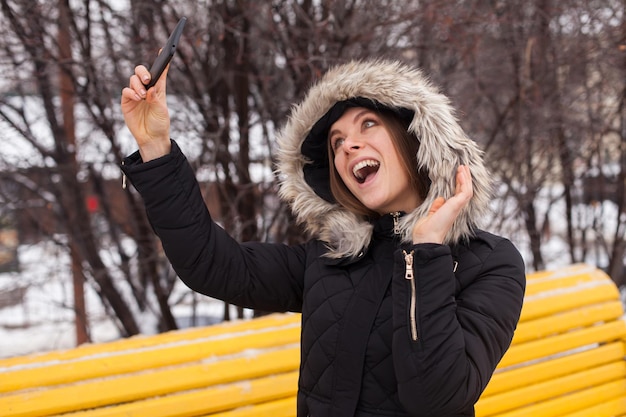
(92, 204)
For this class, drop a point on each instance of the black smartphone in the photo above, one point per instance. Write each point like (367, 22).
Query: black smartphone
(166, 54)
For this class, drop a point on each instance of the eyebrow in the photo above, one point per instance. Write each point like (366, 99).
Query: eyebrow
(354, 119)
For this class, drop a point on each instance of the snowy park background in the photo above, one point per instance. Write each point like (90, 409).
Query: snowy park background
(44, 320)
(539, 85)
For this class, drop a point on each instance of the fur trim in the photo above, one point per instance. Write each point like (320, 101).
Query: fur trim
(444, 146)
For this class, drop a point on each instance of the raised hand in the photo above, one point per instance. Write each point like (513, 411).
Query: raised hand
(146, 114)
(433, 227)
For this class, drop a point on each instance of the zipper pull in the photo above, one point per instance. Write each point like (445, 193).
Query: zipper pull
(396, 222)
(123, 178)
(408, 260)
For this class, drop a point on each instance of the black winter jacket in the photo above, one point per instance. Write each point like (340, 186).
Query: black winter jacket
(396, 330)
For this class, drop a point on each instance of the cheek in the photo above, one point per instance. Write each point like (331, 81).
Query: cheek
(340, 166)
(344, 175)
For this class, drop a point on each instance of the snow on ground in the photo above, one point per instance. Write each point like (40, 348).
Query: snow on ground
(44, 321)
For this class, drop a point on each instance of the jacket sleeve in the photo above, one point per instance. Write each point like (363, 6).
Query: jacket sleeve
(256, 275)
(461, 336)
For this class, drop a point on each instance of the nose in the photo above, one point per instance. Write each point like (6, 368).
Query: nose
(352, 143)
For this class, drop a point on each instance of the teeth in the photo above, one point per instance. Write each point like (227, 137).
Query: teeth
(366, 163)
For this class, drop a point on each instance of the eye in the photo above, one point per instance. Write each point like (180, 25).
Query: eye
(367, 123)
(336, 142)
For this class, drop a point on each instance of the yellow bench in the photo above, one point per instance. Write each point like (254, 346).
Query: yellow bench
(567, 359)
(568, 355)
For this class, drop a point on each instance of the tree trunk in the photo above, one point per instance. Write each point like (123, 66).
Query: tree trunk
(66, 92)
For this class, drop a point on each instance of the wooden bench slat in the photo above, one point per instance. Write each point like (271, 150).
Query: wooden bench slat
(510, 379)
(567, 299)
(138, 359)
(203, 401)
(510, 400)
(613, 408)
(151, 383)
(146, 341)
(575, 402)
(572, 319)
(544, 348)
(567, 359)
(281, 408)
(571, 269)
(536, 286)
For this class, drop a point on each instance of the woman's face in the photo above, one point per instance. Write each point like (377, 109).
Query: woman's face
(368, 163)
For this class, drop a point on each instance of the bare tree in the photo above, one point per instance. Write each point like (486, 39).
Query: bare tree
(540, 84)
(241, 66)
(542, 97)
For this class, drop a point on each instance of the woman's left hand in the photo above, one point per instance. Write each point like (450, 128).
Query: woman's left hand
(146, 113)
(434, 227)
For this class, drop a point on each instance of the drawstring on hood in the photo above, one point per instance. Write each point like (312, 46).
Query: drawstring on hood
(303, 168)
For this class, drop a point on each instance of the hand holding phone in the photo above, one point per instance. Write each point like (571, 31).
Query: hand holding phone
(167, 52)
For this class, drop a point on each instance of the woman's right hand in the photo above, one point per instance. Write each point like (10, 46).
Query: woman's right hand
(146, 114)
(434, 227)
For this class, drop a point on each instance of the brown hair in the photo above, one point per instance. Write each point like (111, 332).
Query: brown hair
(406, 145)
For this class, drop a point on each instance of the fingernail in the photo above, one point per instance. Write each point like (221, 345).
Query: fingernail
(146, 79)
(137, 96)
(142, 92)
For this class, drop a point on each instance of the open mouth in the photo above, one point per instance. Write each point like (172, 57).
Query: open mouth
(364, 169)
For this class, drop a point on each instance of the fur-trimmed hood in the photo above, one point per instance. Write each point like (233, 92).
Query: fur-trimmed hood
(443, 147)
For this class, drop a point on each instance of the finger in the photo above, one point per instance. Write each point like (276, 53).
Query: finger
(146, 75)
(137, 86)
(464, 184)
(461, 175)
(467, 176)
(160, 87)
(469, 185)
(142, 73)
(130, 94)
(163, 78)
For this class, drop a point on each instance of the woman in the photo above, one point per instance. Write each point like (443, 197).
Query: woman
(407, 307)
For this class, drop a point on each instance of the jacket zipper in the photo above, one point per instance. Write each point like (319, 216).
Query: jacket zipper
(396, 222)
(123, 179)
(408, 259)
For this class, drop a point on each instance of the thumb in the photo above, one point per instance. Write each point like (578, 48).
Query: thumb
(160, 87)
(436, 205)
(163, 78)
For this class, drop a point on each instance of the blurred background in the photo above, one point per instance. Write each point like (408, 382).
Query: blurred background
(540, 84)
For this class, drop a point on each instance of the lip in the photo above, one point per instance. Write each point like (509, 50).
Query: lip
(352, 164)
(357, 161)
